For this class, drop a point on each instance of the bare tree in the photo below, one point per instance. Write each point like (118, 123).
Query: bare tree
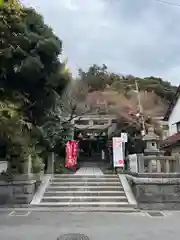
(73, 103)
(70, 105)
(127, 109)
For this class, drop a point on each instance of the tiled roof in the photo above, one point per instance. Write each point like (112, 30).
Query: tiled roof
(170, 140)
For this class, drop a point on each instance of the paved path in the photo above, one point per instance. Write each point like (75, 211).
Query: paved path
(89, 169)
(97, 226)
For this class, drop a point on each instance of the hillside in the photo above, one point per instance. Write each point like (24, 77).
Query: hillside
(118, 103)
(99, 79)
(116, 94)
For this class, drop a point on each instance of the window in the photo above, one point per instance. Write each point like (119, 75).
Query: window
(178, 126)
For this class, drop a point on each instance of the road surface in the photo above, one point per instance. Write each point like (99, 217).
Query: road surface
(97, 226)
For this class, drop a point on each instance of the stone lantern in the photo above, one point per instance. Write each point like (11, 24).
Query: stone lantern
(151, 142)
(152, 150)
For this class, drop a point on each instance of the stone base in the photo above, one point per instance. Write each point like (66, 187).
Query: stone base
(159, 206)
(17, 192)
(156, 193)
(153, 175)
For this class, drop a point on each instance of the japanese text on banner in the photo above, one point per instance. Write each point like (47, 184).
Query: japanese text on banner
(118, 159)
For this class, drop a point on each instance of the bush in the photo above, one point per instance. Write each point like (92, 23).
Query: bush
(59, 169)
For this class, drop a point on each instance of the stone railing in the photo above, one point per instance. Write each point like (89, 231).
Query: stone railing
(154, 164)
(155, 181)
(162, 164)
(159, 164)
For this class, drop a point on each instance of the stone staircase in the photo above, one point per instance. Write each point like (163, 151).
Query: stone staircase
(86, 193)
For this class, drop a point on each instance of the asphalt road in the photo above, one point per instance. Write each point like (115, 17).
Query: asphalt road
(97, 226)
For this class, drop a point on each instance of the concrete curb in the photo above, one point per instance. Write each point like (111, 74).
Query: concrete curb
(127, 189)
(40, 192)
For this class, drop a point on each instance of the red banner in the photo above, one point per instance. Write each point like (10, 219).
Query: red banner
(71, 153)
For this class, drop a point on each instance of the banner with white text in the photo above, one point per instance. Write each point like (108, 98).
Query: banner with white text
(118, 159)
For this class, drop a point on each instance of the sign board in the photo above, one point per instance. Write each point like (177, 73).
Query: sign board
(133, 163)
(71, 153)
(124, 137)
(118, 159)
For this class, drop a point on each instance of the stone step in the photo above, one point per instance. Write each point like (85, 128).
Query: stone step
(85, 199)
(88, 180)
(92, 184)
(86, 204)
(90, 172)
(84, 193)
(51, 208)
(73, 176)
(85, 188)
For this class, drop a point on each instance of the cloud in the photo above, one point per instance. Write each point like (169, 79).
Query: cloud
(132, 37)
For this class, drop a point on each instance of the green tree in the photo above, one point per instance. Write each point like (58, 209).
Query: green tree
(31, 76)
(95, 77)
(29, 59)
(100, 78)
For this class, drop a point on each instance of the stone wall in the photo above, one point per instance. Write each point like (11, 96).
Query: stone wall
(156, 193)
(17, 192)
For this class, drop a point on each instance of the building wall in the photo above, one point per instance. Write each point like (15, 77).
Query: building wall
(174, 118)
(164, 126)
(165, 129)
(175, 150)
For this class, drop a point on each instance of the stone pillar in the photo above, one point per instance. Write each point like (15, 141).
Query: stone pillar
(50, 165)
(150, 166)
(177, 163)
(28, 166)
(167, 166)
(140, 162)
(158, 166)
(91, 122)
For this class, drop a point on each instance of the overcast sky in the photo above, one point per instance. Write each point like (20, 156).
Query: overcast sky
(138, 37)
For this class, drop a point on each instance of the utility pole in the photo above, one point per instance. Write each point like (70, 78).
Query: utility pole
(143, 131)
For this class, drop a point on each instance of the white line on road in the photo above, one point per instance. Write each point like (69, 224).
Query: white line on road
(18, 214)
